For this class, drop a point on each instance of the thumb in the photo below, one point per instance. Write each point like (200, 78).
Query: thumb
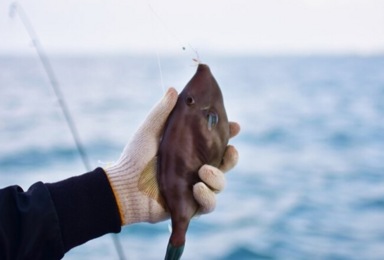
(155, 121)
(145, 142)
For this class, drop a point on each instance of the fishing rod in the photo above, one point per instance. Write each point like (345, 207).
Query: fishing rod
(17, 8)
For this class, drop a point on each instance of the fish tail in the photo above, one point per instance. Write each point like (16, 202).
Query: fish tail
(174, 253)
(177, 240)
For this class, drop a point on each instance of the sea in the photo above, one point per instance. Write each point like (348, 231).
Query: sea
(310, 179)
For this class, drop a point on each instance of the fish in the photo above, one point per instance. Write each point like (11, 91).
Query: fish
(196, 133)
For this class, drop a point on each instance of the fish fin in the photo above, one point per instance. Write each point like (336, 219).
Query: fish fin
(196, 216)
(169, 227)
(148, 182)
(174, 253)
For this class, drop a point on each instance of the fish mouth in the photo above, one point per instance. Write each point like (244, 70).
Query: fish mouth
(212, 117)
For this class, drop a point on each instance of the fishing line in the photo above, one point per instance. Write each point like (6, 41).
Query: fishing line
(16, 8)
(166, 26)
(183, 46)
(157, 49)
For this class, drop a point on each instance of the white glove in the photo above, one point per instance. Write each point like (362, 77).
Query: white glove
(133, 176)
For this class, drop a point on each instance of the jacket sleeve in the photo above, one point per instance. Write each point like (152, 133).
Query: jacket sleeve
(49, 219)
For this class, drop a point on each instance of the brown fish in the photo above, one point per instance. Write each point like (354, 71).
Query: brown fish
(196, 133)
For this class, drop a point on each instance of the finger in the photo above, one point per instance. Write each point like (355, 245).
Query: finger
(144, 144)
(234, 129)
(230, 159)
(205, 197)
(212, 177)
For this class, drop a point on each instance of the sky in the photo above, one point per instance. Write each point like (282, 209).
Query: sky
(224, 27)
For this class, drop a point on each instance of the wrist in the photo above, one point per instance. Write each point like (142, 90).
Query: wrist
(122, 184)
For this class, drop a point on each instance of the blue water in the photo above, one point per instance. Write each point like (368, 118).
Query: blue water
(310, 180)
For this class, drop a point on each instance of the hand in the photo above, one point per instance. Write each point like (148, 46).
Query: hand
(133, 176)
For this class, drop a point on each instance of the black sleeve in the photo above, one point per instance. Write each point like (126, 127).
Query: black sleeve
(49, 219)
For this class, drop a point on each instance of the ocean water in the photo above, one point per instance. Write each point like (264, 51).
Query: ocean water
(310, 180)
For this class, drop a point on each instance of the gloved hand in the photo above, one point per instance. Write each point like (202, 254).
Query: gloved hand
(133, 176)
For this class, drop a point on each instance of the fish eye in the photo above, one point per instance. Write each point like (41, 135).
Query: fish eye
(190, 101)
